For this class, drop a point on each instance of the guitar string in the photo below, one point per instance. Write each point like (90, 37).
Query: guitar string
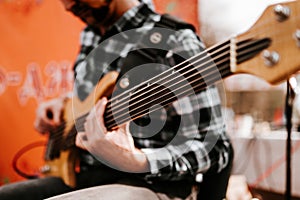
(166, 87)
(206, 75)
(116, 100)
(214, 46)
(147, 88)
(169, 80)
(79, 125)
(81, 120)
(210, 78)
(196, 55)
(202, 84)
(70, 140)
(152, 89)
(220, 44)
(170, 73)
(203, 72)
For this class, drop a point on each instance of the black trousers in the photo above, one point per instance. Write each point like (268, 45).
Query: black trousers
(214, 186)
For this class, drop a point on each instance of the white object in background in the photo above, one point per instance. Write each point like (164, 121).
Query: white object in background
(243, 126)
(220, 19)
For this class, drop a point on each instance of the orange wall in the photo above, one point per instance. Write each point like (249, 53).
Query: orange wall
(38, 38)
(186, 10)
(38, 44)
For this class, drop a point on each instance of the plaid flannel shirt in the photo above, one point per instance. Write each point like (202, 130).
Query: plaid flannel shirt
(205, 145)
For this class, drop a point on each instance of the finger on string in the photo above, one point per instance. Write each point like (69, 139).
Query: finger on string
(101, 103)
(129, 136)
(100, 108)
(124, 128)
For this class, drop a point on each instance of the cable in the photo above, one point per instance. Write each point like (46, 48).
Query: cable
(20, 153)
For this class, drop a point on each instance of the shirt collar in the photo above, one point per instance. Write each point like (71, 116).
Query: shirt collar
(131, 18)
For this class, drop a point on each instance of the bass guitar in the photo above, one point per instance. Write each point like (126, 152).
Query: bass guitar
(270, 49)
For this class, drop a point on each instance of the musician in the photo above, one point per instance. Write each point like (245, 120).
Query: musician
(133, 160)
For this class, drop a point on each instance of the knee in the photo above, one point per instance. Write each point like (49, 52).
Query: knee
(119, 192)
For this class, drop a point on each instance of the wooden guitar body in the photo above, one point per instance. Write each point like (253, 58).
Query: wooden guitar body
(64, 163)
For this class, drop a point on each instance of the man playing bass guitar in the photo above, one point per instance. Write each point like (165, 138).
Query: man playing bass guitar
(141, 154)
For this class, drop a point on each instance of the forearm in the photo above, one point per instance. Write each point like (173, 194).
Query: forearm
(122, 159)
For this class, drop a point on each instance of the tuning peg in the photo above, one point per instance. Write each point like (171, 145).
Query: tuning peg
(271, 57)
(282, 12)
(45, 169)
(297, 37)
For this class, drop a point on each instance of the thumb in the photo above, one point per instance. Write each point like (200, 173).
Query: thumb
(81, 140)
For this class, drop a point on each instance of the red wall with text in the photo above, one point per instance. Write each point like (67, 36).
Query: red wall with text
(38, 44)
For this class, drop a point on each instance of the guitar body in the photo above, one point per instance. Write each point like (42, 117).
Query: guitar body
(64, 162)
(63, 167)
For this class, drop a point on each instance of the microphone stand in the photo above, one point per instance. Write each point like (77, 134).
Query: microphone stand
(290, 96)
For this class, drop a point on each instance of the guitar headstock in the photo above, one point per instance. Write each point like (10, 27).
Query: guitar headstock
(280, 24)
